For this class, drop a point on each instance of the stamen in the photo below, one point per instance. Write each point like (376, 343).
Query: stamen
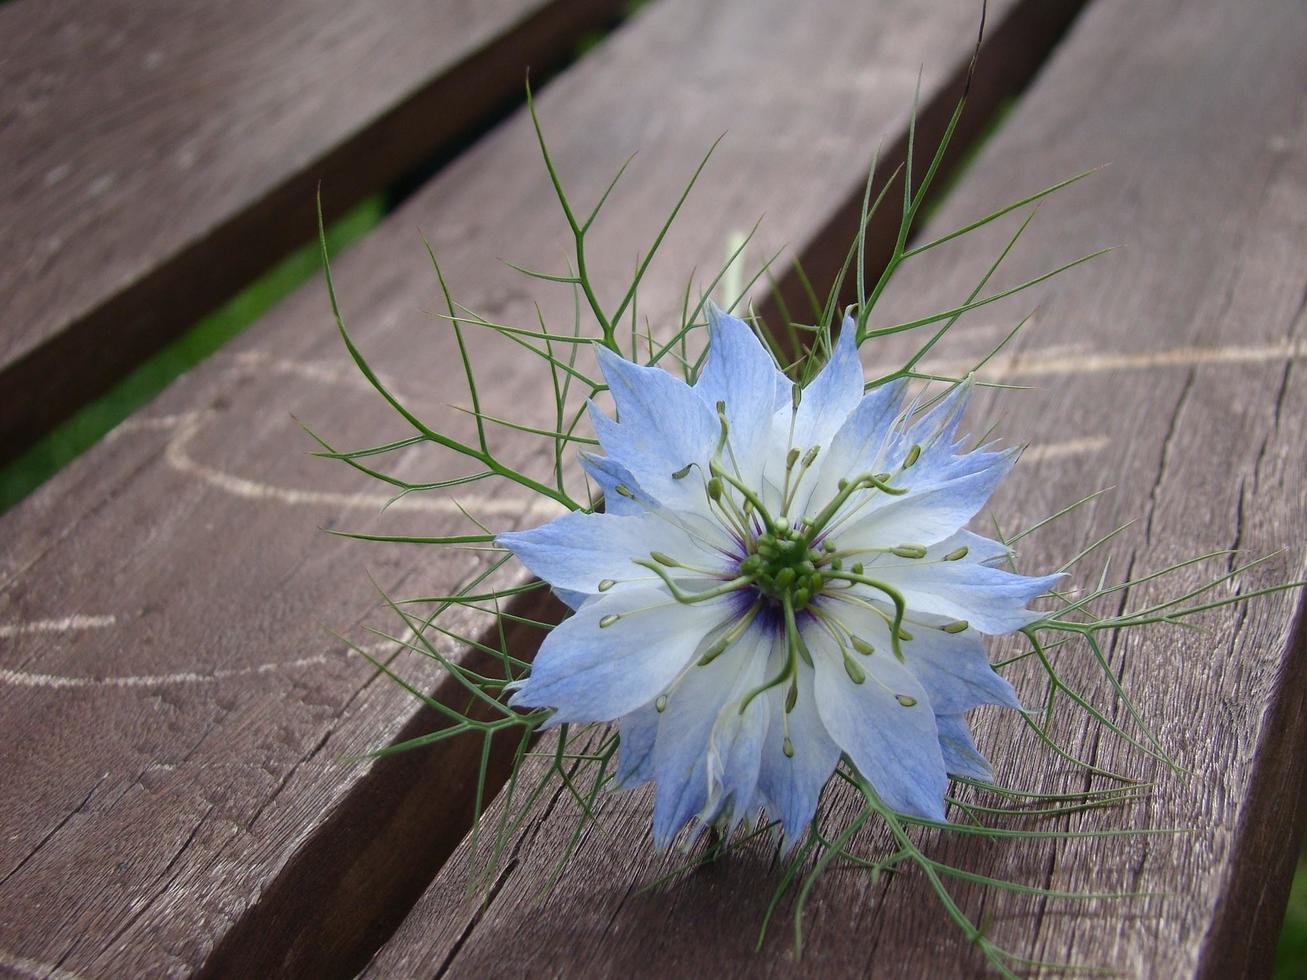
(896, 632)
(606, 584)
(957, 554)
(960, 626)
(732, 635)
(907, 700)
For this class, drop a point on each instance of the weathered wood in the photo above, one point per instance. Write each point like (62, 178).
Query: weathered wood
(177, 803)
(1172, 369)
(158, 157)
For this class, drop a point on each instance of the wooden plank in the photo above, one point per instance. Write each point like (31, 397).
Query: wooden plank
(1172, 369)
(177, 804)
(157, 158)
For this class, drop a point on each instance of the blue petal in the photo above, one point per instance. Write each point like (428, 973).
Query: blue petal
(742, 374)
(686, 727)
(860, 444)
(924, 516)
(832, 395)
(961, 757)
(791, 787)
(894, 746)
(577, 551)
(736, 744)
(639, 730)
(990, 599)
(662, 426)
(572, 600)
(593, 673)
(952, 668)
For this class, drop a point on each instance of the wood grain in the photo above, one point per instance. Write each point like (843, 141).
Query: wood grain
(1173, 370)
(159, 156)
(175, 801)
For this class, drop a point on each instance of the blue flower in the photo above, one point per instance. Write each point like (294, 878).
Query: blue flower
(780, 578)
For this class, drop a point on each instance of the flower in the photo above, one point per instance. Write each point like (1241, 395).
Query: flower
(780, 577)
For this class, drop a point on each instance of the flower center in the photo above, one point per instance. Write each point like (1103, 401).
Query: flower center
(784, 566)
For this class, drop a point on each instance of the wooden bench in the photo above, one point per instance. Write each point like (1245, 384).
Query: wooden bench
(175, 713)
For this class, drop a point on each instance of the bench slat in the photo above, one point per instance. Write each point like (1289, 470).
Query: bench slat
(180, 711)
(159, 156)
(1173, 370)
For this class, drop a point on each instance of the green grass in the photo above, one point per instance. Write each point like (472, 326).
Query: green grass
(74, 436)
(1291, 956)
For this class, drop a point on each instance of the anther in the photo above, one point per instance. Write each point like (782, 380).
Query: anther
(606, 584)
(607, 621)
(913, 455)
(957, 627)
(909, 551)
(791, 458)
(660, 703)
(788, 748)
(958, 554)
(862, 646)
(904, 634)
(796, 396)
(855, 672)
(714, 489)
(664, 559)
(683, 472)
(623, 490)
(714, 651)
(906, 700)
(857, 568)
(810, 456)
(791, 698)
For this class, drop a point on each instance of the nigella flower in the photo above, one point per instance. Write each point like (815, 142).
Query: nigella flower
(780, 577)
